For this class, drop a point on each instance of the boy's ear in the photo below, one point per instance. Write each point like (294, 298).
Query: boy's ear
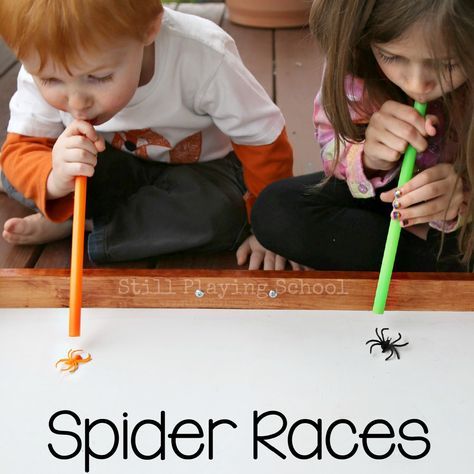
(153, 30)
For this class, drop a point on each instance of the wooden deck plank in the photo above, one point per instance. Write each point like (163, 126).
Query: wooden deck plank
(7, 59)
(298, 64)
(210, 11)
(221, 260)
(7, 88)
(256, 50)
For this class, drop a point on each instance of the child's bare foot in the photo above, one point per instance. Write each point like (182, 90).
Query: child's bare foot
(34, 229)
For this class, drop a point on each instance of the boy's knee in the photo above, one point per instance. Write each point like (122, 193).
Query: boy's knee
(8, 188)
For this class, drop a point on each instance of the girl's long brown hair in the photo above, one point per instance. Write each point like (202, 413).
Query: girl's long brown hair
(346, 29)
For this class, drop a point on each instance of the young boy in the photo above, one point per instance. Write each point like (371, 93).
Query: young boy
(157, 109)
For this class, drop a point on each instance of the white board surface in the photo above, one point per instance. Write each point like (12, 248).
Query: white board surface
(226, 364)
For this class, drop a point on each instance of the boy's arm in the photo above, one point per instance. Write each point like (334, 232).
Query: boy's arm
(263, 164)
(26, 162)
(350, 164)
(242, 110)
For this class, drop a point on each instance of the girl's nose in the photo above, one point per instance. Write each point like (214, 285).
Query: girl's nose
(420, 83)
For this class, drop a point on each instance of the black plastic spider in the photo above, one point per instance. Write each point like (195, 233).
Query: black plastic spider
(386, 344)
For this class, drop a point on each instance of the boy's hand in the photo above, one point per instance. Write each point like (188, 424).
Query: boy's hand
(259, 254)
(74, 154)
(426, 197)
(389, 132)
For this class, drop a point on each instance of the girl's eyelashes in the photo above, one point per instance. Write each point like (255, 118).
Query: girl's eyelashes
(449, 66)
(387, 59)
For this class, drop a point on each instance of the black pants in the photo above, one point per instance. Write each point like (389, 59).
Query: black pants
(326, 228)
(143, 208)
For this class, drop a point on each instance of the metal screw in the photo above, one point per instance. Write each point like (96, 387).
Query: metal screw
(199, 293)
(272, 294)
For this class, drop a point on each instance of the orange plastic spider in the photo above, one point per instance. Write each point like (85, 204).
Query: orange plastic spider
(73, 360)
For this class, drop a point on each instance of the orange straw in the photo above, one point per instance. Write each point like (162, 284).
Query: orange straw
(77, 256)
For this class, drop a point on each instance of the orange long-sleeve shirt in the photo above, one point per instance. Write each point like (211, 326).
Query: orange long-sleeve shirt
(27, 162)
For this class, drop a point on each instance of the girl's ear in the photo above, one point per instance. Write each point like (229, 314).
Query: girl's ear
(153, 30)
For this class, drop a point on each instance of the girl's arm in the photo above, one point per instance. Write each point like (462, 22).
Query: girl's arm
(349, 167)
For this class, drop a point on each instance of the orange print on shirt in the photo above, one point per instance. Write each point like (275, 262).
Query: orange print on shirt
(187, 150)
(139, 142)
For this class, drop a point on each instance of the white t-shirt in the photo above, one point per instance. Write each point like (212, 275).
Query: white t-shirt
(200, 97)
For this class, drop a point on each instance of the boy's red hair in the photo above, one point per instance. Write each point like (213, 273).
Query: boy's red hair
(60, 30)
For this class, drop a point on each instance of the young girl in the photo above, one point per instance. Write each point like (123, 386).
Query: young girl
(381, 55)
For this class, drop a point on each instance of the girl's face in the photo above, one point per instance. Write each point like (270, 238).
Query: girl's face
(408, 62)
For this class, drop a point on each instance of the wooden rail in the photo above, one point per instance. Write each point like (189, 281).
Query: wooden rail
(135, 288)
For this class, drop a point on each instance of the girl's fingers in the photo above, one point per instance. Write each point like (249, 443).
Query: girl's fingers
(383, 157)
(406, 114)
(406, 133)
(256, 259)
(242, 253)
(436, 173)
(382, 133)
(426, 212)
(280, 263)
(268, 261)
(431, 122)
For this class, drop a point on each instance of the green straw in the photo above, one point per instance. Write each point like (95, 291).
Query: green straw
(394, 230)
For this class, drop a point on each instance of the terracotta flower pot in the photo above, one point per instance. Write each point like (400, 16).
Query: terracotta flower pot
(269, 13)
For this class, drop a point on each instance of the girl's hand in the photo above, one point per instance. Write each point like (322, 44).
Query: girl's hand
(389, 132)
(427, 196)
(258, 254)
(74, 154)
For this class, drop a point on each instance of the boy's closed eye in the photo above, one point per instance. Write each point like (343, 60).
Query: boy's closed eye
(50, 81)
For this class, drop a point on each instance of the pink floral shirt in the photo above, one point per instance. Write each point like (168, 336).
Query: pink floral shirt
(350, 165)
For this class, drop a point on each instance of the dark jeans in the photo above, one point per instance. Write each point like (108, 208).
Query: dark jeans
(326, 228)
(142, 208)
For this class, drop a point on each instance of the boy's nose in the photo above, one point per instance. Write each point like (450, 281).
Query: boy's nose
(79, 103)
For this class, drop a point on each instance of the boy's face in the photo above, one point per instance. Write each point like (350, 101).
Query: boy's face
(408, 63)
(98, 88)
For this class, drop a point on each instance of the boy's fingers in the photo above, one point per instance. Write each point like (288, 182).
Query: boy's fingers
(80, 127)
(80, 142)
(100, 143)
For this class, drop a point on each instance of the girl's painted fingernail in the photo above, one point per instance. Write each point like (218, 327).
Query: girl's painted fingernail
(396, 204)
(398, 193)
(405, 222)
(396, 215)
